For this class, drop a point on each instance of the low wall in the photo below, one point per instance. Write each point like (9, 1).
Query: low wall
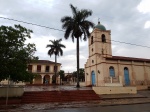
(74, 83)
(12, 91)
(5, 82)
(142, 87)
(115, 90)
(113, 84)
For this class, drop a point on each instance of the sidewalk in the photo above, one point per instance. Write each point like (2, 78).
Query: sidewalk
(126, 99)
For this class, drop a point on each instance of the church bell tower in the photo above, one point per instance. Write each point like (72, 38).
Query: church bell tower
(100, 42)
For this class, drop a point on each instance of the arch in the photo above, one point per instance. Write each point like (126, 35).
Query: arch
(93, 78)
(46, 79)
(92, 40)
(103, 38)
(126, 76)
(111, 71)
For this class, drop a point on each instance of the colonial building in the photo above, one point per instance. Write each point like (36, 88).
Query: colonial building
(45, 70)
(103, 69)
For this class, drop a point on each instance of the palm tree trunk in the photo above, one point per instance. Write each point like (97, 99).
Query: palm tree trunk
(78, 62)
(55, 67)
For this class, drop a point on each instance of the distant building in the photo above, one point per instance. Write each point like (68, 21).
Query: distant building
(45, 70)
(103, 69)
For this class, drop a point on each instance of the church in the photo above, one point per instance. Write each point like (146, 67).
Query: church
(104, 70)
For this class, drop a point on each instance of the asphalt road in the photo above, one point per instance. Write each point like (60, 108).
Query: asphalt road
(118, 108)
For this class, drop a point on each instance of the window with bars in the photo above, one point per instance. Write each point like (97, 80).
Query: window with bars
(47, 69)
(38, 68)
(55, 68)
(30, 68)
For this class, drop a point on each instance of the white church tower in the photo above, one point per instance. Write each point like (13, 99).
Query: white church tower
(100, 41)
(99, 44)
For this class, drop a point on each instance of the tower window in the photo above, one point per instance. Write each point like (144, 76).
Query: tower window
(92, 40)
(92, 61)
(103, 38)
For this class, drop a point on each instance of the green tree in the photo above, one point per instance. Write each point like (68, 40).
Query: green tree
(56, 49)
(62, 75)
(81, 74)
(76, 26)
(15, 54)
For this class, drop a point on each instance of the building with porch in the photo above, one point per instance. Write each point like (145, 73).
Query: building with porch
(45, 71)
(104, 70)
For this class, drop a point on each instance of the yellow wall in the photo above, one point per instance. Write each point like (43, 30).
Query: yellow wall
(115, 90)
(139, 72)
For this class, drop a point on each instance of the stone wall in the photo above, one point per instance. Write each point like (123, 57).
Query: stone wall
(12, 91)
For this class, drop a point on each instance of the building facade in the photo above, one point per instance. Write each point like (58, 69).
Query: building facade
(45, 71)
(103, 69)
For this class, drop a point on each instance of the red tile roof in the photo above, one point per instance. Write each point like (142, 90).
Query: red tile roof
(44, 62)
(128, 58)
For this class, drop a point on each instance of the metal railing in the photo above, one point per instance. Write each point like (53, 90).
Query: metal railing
(111, 79)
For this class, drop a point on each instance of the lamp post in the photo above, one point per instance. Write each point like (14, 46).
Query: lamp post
(7, 91)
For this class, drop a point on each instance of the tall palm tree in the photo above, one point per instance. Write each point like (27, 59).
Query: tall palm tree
(56, 49)
(76, 26)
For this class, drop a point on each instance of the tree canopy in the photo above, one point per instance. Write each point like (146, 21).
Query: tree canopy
(15, 54)
(56, 49)
(78, 24)
(81, 74)
(62, 74)
(77, 27)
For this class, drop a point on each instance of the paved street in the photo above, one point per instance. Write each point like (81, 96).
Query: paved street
(87, 108)
(120, 108)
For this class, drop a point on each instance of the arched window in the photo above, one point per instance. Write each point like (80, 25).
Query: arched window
(103, 38)
(125, 68)
(126, 76)
(92, 40)
(111, 71)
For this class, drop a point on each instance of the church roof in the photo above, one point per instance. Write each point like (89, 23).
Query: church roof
(100, 27)
(128, 58)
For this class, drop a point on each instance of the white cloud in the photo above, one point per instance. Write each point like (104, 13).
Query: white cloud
(144, 6)
(41, 42)
(147, 24)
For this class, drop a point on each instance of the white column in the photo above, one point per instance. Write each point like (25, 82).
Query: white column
(50, 80)
(42, 76)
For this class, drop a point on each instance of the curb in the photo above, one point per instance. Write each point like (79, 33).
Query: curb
(123, 98)
(104, 105)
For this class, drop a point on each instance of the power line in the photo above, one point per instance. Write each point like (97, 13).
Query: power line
(64, 31)
(130, 44)
(31, 23)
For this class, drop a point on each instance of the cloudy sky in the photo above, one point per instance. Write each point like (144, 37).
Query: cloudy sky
(128, 20)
